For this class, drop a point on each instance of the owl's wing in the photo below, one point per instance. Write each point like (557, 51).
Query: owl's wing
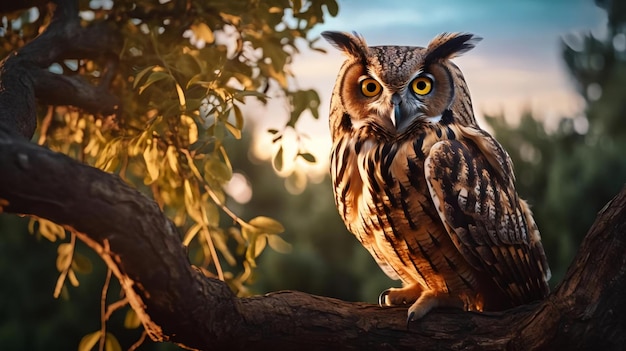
(472, 188)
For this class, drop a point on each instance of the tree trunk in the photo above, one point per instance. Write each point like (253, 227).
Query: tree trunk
(177, 303)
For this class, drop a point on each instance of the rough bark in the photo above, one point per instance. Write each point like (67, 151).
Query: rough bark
(177, 303)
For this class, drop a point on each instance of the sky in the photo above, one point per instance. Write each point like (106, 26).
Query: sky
(517, 66)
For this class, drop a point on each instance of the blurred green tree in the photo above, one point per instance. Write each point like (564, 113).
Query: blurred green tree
(570, 173)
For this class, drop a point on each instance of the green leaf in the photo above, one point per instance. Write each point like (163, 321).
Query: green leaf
(278, 244)
(332, 7)
(141, 74)
(267, 225)
(152, 78)
(89, 341)
(308, 157)
(131, 320)
(81, 264)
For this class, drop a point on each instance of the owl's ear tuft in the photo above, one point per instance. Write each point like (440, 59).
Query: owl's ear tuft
(450, 45)
(351, 44)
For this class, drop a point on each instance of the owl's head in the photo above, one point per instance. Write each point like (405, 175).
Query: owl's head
(396, 87)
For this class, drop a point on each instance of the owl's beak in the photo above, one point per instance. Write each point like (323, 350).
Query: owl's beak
(396, 116)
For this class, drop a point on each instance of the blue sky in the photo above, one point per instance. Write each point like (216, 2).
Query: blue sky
(516, 66)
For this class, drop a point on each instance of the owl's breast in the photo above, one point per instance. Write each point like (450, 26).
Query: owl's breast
(382, 194)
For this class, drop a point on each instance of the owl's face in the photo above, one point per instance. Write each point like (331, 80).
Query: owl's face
(395, 87)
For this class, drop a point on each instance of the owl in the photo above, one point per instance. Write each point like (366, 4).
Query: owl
(427, 192)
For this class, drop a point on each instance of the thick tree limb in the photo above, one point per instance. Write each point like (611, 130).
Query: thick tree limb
(177, 303)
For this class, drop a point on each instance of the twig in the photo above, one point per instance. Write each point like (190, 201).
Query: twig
(103, 301)
(65, 271)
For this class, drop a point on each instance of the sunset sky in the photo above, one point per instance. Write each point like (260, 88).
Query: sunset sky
(516, 66)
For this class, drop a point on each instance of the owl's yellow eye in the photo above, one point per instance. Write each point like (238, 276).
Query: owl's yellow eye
(422, 85)
(370, 87)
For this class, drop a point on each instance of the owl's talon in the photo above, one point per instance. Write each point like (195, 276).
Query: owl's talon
(382, 298)
(409, 319)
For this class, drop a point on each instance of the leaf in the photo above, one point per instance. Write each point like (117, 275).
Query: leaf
(238, 117)
(152, 78)
(236, 132)
(111, 343)
(72, 277)
(278, 244)
(202, 31)
(181, 96)
(217, 170)
(64, 255)
(191, 233)
(267, 225)
(191, 202)
(151, 157)
(332, 7)
(51, 230)
(307, 157)
(89, 341)
(141, 74)
(81, 264)
(260, 242)
(131, 320)
(172, 158)
(278, 160)
(192, 128)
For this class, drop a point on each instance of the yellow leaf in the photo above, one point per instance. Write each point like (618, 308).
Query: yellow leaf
(278, 244)
(89, 341)
(51, 230)
(111, 343)
(191, 203)
(202, 31)
(171, 158)
(151, 156)
(260, 243)
(64, 255)
(131, 321)
(81, 264)
(192, 128)
(181, 96)
(191, 233)
(236, 132)
(267, 225)
(72, 277)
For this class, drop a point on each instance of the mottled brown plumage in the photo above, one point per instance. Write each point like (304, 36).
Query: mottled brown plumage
(425, 190)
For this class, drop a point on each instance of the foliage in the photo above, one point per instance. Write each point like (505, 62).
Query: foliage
(570, 173)
(184, 72)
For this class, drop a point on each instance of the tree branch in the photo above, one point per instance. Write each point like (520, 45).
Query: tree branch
(27, 70)
(175, 302)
